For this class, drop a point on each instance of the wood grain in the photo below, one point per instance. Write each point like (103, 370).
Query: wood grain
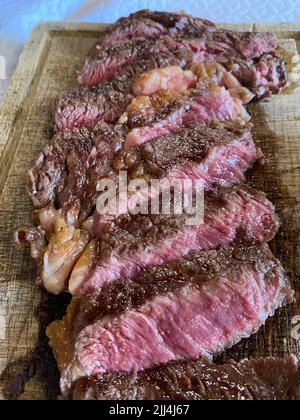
(48, 68)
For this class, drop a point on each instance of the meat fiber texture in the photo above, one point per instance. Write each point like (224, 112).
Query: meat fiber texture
(195, 306)
(251, 58)
(267, 379)
(218, 156)
(137, 242)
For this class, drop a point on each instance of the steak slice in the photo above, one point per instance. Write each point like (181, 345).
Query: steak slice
(136, 242)
(162, 113)
(85, 106)
(216, 154)
(192, 307)
(103, 64)
(146, 23)
(67, 171)
(264, 379)
(221, 46)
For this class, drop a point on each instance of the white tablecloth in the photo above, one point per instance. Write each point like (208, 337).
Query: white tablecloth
(18, 17)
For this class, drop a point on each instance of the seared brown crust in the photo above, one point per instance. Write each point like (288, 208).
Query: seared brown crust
(144, 110)
(48, 176)
(130, 232)
(263, 379)
(161, 22)
(67, 170)
(108, 101)
(196, 269)
(246, 73)
(190, 144)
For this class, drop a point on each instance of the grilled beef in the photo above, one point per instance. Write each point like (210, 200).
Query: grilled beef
(195, 306)
(222, 46)
(153, 116)
(264, 379)
(83, 107)
(136, 242)
(162, 98)
(68, 169)
(146, 23)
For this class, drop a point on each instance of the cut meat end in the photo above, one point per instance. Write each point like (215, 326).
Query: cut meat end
(164, 113)
(85, 106)
(252, 380)
(137, 242)
(271, 76)
(146, 23)
(49, 173)
(66, 173)
(209, 302)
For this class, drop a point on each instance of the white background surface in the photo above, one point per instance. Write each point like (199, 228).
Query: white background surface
(18, 17)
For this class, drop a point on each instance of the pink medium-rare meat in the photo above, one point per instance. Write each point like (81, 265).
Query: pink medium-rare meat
(105, 63)
(222, 46)
(199, 107)
(214, 154)
(217, 155)
(85, 106)
(134, 243)
(146, 23)
(67, 171)
(196, 306)
(249, 380)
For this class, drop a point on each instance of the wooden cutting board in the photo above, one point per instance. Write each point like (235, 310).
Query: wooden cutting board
(48, 68)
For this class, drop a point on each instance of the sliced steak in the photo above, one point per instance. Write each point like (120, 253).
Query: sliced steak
(85, 106)
(146, 23)
(221, 46)
(255, 380)
(216, 154)
(66, 173)
(103, 64)
(192, 307)
(136, 242)
(162, 113)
